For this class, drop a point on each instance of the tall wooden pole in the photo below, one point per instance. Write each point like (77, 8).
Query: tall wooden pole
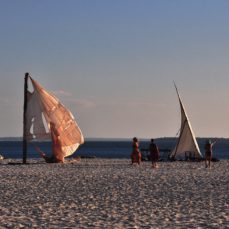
(24, 118)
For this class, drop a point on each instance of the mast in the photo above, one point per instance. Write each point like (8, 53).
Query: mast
(24, 118)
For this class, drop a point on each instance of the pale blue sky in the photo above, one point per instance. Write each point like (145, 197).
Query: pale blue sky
(113, 63)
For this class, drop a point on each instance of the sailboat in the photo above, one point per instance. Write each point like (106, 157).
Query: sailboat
(186, 146)
(42, 108)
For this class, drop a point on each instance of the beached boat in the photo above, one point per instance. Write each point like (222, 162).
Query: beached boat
(42, 108)
(186, 147)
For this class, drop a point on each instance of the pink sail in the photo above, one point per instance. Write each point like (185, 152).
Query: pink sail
(42, 108)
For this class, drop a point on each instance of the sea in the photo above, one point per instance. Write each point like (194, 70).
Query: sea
(107, 148)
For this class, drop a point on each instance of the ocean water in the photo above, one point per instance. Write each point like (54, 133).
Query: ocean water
(108, 148)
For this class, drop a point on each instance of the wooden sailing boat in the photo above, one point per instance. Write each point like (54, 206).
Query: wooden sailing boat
(42, 108)
(187, 146)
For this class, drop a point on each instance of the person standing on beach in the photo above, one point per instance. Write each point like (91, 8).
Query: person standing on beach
(208, 153)
(57, 154)
(136, 154)
(154, 153)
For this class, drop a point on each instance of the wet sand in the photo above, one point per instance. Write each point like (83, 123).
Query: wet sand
(110, 193)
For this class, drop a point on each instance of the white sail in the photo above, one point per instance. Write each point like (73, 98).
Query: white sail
(43, 108)
(186, 145)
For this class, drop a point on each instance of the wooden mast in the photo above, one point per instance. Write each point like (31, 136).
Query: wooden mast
(24, 118)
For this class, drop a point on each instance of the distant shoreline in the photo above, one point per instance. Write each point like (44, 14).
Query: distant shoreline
(115, 139)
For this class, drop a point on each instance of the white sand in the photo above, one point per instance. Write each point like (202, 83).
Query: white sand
(107, 193)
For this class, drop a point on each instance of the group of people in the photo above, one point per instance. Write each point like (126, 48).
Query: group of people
(136, 155)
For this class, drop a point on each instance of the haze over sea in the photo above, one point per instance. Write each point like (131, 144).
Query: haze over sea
(106, 148)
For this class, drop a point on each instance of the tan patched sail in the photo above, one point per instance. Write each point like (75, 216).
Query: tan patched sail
(186, 144)
(43, 108)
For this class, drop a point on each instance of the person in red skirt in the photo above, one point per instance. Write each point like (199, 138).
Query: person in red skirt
(136, 155)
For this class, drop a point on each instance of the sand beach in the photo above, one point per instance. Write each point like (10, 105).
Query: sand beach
(110, 193)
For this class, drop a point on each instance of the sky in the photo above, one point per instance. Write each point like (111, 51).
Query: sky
(113, 63)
